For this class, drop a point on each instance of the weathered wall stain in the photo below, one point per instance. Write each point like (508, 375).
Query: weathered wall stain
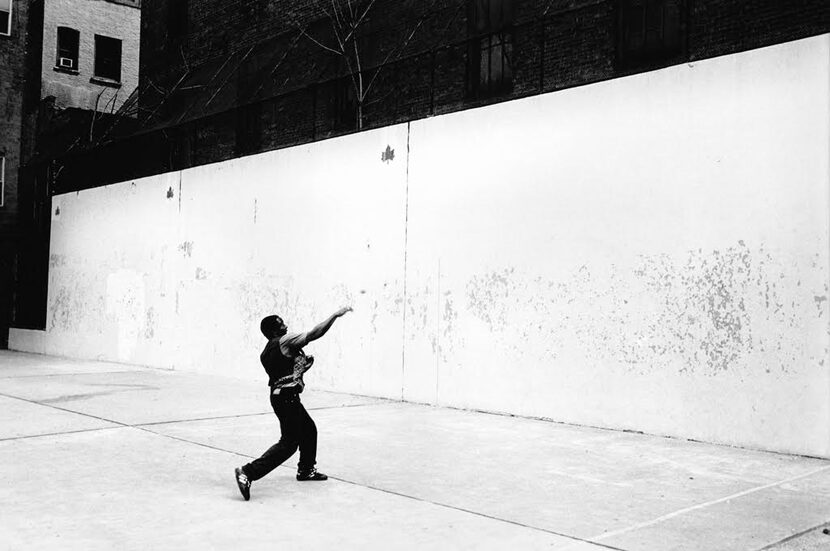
(186, 248)
(150, 323)
(707, 311)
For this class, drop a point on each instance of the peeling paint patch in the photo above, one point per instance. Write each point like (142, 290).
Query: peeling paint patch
(170, 192)
(125, 305)
(709, 312)
(201, 274)
(150, 323)
(57, 260)
(387, 155)
(819, 300)
(186, 248)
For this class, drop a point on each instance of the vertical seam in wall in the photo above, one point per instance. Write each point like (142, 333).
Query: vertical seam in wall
(827, 215)
(180, 192)
(438, 331)
(405, 246)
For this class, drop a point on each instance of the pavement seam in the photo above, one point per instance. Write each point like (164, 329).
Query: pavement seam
(27, 436)
(220, 417)
(476, 513)
(593, 541)
(139, 425)
(707, 504)
(392, 492)
(793, 536)
(62, 409)
(70, 374)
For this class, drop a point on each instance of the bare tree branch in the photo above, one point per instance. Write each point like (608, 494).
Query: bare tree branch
(359, 21)
(320, 44)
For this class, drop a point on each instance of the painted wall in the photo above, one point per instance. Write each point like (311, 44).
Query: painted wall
(649, 253)
(90, 17)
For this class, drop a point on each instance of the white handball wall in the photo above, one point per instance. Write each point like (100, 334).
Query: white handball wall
(648, 253)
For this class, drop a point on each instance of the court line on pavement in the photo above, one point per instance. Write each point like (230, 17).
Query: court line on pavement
(47, 405)
(69, 374)
(28, 436)
(685, 510)
(593, 541)
(392, 492)
(793, 536)
(120, 424)
(220, 417)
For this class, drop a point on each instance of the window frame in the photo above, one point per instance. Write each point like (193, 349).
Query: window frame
(95, 68)
(58, 56)
(8, 30)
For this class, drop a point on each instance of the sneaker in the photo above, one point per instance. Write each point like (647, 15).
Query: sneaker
(243, 482)
(311, 474)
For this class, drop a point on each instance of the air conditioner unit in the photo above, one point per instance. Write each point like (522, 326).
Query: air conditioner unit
(67, 62)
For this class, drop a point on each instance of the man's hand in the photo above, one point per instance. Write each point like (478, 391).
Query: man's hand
(343, 311)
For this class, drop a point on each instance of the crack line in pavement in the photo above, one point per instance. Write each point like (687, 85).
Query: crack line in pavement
(63, 409)
(136, 425)
(68, 374)
(219, 417)
(792, 537)
(707, 504)
(392, 492)
(491, 517)
(26, 436)
(594, 541)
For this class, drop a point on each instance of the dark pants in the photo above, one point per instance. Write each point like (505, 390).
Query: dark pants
(298, 431)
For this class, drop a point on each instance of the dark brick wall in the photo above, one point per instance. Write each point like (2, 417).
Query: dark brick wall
(12, 92)
(19, 93)
(722, 27)
(253, 85)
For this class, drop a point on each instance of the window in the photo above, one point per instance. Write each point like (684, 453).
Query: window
(650, 31)
(6, 17)
(176, 18)
(489, 24)
(67, 48)
(107, 58)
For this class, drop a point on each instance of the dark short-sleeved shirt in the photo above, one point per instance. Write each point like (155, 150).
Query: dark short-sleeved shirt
(285, 362)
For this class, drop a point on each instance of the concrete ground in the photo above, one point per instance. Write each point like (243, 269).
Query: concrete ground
(100, 456)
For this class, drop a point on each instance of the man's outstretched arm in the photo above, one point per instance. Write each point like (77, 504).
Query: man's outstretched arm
(323, 327)
(299, 340)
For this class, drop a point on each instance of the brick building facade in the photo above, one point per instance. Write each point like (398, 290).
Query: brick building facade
(90, 53)
(79, 56)
(20, 33)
